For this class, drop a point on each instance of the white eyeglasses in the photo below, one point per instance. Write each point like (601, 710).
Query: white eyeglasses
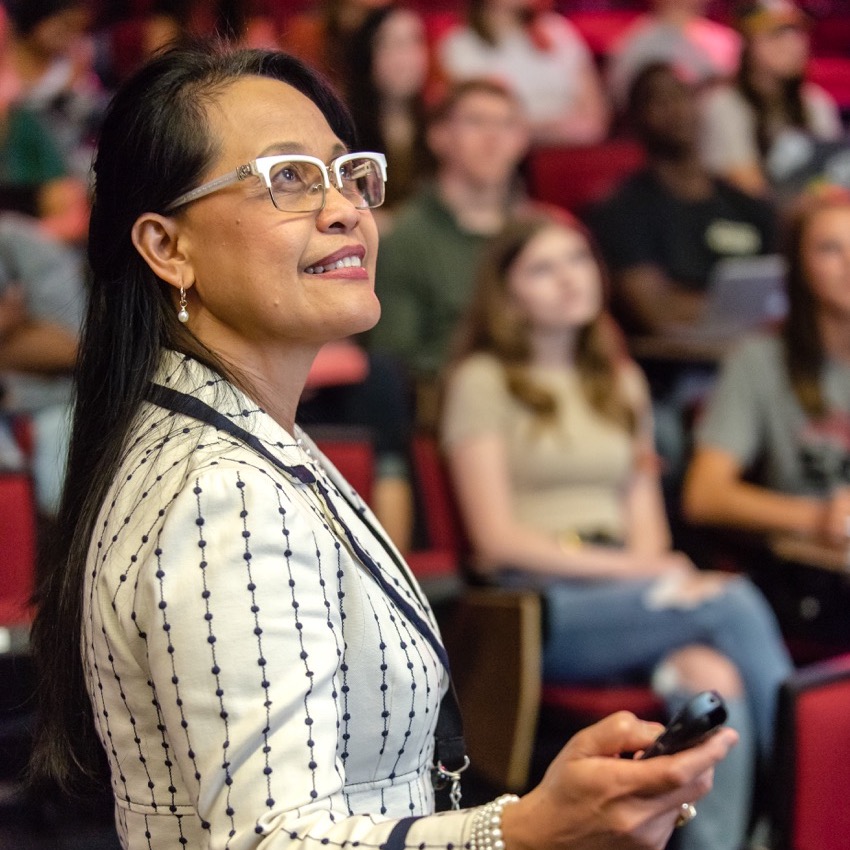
(299, 183)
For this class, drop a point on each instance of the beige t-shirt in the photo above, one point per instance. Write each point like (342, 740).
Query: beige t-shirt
(568, 474)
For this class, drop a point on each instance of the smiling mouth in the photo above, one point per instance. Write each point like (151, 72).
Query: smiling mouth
(344, 263)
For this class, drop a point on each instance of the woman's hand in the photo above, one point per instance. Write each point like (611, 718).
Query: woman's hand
(590, 799)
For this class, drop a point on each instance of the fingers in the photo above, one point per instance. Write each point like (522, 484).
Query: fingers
(618, 733)
(687, 775)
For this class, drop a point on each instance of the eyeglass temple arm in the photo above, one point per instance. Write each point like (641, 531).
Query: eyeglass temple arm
(241, 173)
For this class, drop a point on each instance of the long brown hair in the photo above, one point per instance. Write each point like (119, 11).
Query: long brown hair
(791, 102)
(801, 337)
(492, 324)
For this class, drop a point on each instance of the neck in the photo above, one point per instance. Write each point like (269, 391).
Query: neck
(555, 348)
(768, 86)
(478, 207)
(272, 377)
(502, 22)
(684, 176)
(835, 335)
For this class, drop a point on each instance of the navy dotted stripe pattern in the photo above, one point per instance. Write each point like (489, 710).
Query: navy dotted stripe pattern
(236, 650)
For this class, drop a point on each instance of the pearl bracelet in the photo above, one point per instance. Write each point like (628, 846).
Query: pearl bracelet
(487, 824)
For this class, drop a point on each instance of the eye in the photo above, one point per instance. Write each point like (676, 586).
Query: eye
(294, 177)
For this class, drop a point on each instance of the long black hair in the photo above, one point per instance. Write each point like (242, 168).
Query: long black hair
(155, 144)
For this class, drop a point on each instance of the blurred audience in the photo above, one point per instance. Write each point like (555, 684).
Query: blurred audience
(426, 264)
(348, 386)
(678, 33)
(49, 59)
(321, 36)
(773, 448)
(548, 435)
(387, 72)
(540, 56)
(758, 128)
(41, 305)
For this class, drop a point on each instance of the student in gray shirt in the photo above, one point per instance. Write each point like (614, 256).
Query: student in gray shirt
(41, 303)
(784, 401)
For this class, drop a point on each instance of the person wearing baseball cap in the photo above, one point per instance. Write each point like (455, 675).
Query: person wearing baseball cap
(767, 122)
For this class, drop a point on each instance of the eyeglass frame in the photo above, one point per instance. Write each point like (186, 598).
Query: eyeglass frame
(261, 167)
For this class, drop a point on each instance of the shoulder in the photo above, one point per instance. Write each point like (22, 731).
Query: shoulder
(758, 354)
(723, 99)
(480, 367)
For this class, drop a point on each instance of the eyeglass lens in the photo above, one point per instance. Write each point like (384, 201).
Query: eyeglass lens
(299, 186)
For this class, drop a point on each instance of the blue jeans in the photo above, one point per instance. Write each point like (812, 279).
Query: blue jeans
(602, 632)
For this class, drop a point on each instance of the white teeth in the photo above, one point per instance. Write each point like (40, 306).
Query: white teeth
(344, 263)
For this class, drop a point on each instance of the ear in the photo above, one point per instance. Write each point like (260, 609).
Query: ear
(435, 138)
(156, 238)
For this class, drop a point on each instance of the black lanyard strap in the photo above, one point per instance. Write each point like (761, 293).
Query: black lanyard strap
(450, 749)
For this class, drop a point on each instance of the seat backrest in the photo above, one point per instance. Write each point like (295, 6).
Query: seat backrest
(442, 518)
(813, 758)
(17, 548)
(350, 450)
(575, 178)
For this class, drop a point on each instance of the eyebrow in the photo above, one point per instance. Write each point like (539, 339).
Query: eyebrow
(298, 148)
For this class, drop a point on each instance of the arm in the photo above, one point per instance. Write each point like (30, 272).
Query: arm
(648, 531)
(392, 503)
(715, 492)
(585, 122)
(654, 301)
(38, 348)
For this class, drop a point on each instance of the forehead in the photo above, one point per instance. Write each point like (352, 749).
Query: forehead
(828, 221)
(485, 102)
(260, 115)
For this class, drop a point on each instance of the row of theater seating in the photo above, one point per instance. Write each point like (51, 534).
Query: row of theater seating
(494, 637)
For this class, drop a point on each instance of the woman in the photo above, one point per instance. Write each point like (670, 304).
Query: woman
(783, 400)
(541, 57)
(547, 431)
(757, 130)
(260, 667)
(388, 70)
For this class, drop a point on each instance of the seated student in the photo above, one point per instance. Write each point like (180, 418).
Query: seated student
(756, 128)
(320, 36)
(541, 57)
(478, 136)
(664, 229)
(387, 73)
(677, 32)
(662, 232)
(349, 386)
(783, 400)
(41, 304)
(547, 430)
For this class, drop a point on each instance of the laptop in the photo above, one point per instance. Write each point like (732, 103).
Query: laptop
(743, 293)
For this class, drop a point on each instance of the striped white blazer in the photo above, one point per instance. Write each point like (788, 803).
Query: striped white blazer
(251, 683)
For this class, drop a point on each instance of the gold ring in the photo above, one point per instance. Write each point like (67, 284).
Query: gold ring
(688, 813)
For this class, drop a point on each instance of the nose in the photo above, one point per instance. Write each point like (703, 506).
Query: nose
(338, 212)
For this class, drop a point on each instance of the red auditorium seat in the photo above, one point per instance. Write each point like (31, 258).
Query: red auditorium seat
(575, 177)
(833, 74)
(813, 759)
(602, 28)
(494, 639)
(17, 549)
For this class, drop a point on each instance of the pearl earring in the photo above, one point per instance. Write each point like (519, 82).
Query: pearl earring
(183, 315)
